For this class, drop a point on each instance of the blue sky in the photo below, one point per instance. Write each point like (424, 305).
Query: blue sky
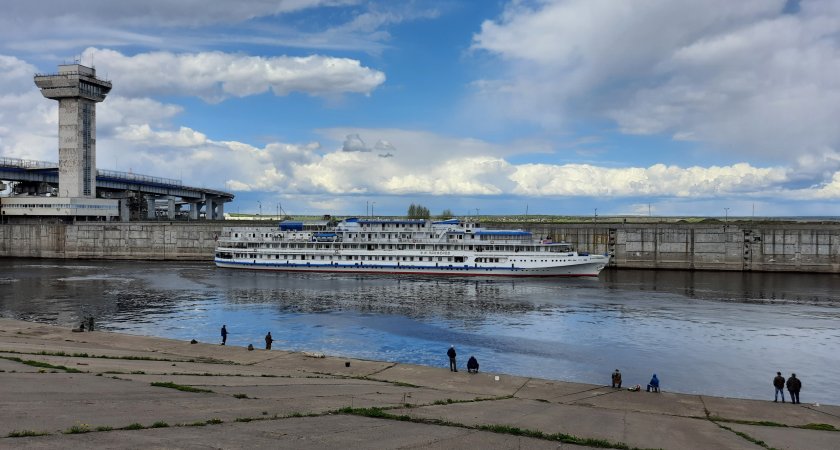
(557, 106)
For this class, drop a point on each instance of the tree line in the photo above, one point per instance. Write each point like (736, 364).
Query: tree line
(421, 212)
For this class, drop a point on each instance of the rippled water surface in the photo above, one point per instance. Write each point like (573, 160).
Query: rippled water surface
(711, 333)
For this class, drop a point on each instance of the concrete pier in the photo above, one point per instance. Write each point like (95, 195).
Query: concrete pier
(61, 389)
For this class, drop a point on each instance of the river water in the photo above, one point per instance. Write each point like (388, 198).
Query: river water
(701, 332)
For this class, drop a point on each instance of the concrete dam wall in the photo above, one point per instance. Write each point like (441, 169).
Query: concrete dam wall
(748, 246)
(189, 241)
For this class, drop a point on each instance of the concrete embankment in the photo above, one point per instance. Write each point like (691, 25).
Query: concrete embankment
(733, 246)
(60, 389)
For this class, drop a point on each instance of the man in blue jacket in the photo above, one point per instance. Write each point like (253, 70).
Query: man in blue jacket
(654, 384)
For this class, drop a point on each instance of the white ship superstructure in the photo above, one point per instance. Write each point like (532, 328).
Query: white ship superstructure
(449, 247)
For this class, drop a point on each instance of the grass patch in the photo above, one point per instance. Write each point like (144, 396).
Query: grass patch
(746, 436)
(78, 429)
(401, 384)
(41, 364)
(243, 419)
(196, 424)
(134, 426)
(380, 413)
(26, 433)
(159, 424)
(180, 387)
(819, 426)
(240, 396)
(104, 428)
(138, 372)
(762, 423)
(85, 355)
(214, 421)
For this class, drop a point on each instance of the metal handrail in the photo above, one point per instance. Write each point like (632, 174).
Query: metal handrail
(27, 163)
(138, 177)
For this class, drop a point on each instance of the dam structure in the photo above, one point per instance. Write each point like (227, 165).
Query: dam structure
(743, 246)
(73, 189)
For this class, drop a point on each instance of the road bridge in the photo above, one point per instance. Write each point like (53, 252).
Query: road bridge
(141, 196)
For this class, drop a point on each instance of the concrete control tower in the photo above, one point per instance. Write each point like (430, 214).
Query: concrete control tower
(77, 90)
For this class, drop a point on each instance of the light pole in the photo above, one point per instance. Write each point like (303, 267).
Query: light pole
(725, 216)
(278, 211)
(596, 216)
(372, 204)
(260, 203)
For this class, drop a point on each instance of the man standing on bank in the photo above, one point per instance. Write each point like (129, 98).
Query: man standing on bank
(794, 385)
(268, 341)
(224, 334)
(451, 354)
(616, 379)
(779, 384)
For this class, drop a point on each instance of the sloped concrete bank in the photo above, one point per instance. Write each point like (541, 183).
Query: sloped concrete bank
(739, 246)
(61, 389)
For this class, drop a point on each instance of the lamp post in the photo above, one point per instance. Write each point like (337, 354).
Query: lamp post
(725, 216)
(260, 203)
(372, 204)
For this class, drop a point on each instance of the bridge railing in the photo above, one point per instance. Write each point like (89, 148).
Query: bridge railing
(26, 163)
(138, 177)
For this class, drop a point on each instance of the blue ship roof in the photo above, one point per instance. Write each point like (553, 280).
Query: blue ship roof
(289, 225)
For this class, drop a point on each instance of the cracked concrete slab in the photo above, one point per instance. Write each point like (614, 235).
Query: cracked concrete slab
(327, 432)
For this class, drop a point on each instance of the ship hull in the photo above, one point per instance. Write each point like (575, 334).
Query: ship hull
(588, 269)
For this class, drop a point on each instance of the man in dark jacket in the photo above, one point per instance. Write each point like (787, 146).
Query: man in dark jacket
(616, 379)
(794, 385)
(472, 365)
(779, 384)
(224, 334)
(451, 354)
(268, 341)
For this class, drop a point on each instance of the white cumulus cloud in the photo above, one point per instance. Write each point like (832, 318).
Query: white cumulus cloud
(748, 78)
(214, 76)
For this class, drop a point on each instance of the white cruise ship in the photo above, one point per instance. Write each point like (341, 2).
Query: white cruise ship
(449, 247)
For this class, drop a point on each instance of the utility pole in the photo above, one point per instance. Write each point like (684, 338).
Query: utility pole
(725, 217)
(260, 203)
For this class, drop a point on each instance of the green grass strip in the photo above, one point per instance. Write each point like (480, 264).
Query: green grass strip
(41, 364)
(26, 433)
(380, 413)
(180, 387)
(819, 426)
